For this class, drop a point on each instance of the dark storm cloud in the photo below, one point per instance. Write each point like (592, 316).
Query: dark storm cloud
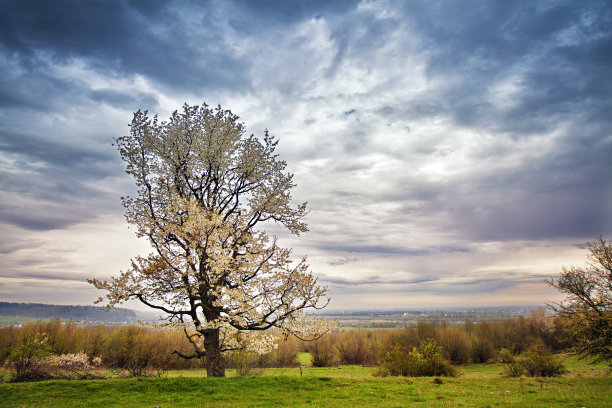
(124, 38)
(35, 222)
(54, 185)
(27, 89)
(50, 170)
(123, 100)
(37, 217)
(560, 52)
(36, 148)
(183, 46)
(287, 12)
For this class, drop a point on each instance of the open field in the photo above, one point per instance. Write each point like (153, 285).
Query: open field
(8, 320)
(479, 385)
(451, 317)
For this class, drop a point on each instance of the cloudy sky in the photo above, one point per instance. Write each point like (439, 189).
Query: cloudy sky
(453, 153)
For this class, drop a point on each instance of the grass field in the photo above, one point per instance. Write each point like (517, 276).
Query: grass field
(8, 320)
(479, 385)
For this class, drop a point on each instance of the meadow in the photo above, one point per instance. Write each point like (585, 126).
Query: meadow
(9, 320)
(478, 385)
(341, 369)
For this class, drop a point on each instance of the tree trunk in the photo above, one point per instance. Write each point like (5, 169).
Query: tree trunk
(215, 365)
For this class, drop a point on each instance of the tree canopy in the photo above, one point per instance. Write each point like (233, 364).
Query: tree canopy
(587, 310)
(205, 193)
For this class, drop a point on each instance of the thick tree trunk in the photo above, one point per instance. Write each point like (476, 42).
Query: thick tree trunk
(215, 365)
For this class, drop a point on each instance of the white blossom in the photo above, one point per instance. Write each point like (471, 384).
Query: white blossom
(204, 189)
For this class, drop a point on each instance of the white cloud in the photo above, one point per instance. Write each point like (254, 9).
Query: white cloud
(449, 155)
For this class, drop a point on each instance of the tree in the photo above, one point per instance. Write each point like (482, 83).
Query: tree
(587, 311)
(204, 193)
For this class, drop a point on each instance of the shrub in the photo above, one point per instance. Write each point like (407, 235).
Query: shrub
(518, 348)
(70, 362)
(32, 360)
(93, 339)
(458, 344)
(425, 331)
(61, 336)
(398, 362)
(425, 360)
(138, 350)
(356, 347)
(539, 361)
(482, 351)
(25, 359)
(73, 366)
(285, 354)
(434, 362)
(248, 361)
(9, 338)
(322, 353)
(245, 362)
(505, 356)
(514, 369)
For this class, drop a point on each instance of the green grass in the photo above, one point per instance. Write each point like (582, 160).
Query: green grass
(479, 385)
(8, 320)
(305, 359)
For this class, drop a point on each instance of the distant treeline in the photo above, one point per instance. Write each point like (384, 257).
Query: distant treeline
(89, 313)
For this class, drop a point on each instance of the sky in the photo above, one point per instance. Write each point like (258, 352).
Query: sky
(452, 153)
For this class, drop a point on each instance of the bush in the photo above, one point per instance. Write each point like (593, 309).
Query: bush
(514, 369)
(505, 356)
(482, 351)
(244, 362)
(74, 366)
(247, 362)
(9, 338)
(285, 354)
(70, 362)
(434, 362)
(356, 347)
(398, 362)
(138, 350)
(32, 360)
(99, 341)
(537, 361)
(323, 353)
(61, 336)
(25, 359)
(425, 360)
(458, 344)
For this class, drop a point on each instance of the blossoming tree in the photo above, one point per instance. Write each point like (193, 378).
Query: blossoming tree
(204, 191)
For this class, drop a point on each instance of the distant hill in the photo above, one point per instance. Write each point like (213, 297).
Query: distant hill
(87, 313)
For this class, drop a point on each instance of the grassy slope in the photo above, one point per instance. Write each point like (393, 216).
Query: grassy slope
(479, 385)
